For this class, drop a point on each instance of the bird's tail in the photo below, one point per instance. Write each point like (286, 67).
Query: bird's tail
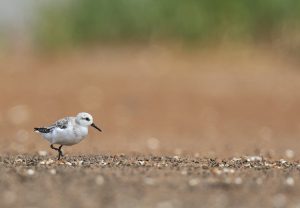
(41, 130)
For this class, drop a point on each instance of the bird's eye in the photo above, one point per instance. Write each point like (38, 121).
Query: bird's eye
(87, 119)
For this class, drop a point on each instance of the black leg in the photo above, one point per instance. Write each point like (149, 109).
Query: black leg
(57, 149)
(60, 152)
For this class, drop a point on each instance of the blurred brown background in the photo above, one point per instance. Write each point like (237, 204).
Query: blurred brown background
(158, 78)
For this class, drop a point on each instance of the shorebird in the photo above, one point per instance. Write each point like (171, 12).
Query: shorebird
(67, 131)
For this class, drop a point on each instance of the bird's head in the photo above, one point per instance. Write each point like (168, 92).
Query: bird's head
(85, 119)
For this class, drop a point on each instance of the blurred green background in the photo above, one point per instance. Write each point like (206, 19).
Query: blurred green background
(56, 24)
(79, 22)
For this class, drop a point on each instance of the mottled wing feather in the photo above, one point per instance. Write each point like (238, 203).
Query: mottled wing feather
(62, 123)
(42, 130)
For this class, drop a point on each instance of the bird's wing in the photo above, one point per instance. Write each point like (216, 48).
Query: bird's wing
(62, 123)
(43, 130)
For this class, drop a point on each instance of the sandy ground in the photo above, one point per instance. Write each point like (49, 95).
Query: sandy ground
(148, 181)
(153, 100)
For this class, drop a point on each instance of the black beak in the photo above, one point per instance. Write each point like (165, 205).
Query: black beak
(93, 125)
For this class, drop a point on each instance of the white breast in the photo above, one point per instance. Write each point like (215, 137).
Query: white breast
(69, 136)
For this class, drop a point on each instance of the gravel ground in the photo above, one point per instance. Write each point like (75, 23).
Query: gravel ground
(147, 181)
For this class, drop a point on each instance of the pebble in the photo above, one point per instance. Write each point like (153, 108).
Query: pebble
(79, 163)
(153, 143)
(103, 163)
(18, 160)
(141, 162)
(238, 180)
(43, 162)
(149, 181)
(194, 182)
(254, 158)
(221, 165)
(42, 153)
(176, 157)
(52, 171)
(228, 180)
(184, 172)
(68, 163)
(289, 153)
(282, 161)
(290, 181)
(236, 159)
(247, 165)
(228, 170)
(259, 181)
(99, 180)
(50, 161)
(216, 171)
(30, 172)
(197, 154)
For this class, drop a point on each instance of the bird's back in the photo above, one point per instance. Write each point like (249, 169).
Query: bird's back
(58, 129)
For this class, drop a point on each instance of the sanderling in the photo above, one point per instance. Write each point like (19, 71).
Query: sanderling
(67, 131)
